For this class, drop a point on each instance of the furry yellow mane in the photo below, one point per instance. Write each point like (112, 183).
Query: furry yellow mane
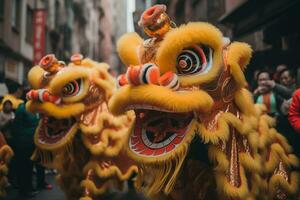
(187, 89)
(6, 154)
(77, 134)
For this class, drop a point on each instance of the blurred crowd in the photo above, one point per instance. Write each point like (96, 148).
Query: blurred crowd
(18, 127)
(280, 94)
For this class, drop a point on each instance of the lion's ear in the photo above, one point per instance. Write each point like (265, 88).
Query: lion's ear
(35, 76)
(238, 57)
(127, 48)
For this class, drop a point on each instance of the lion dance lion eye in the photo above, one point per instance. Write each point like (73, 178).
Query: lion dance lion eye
(72, 88)
(194, 60)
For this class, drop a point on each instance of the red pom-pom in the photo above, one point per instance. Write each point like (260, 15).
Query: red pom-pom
(47, 61)
(149, 74)
(169, 80)
(132, 75)
(122, 80)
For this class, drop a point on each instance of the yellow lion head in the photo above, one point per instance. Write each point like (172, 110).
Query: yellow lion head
(187, 88)
(72, 103)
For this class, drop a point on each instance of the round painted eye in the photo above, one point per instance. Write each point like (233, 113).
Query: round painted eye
(194, 60)
(72, 88)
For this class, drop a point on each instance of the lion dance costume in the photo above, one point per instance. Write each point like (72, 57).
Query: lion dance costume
(6, 154)
(76, 133)
(197, 133)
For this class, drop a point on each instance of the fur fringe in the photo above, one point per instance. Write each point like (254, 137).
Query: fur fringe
(92, 188)
(46, 157)
(161, 176)
(224, 187)
(278, 182)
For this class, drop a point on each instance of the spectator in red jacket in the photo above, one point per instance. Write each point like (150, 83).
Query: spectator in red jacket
(294, 111)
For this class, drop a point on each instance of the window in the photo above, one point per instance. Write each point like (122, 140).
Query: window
(16, 11)
(2, 4)
(29, 25)
(57, 14)
(214, 4)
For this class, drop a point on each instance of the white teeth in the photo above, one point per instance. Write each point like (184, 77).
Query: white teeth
(226, 41)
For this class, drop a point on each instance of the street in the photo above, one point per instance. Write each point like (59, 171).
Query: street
(54, 194)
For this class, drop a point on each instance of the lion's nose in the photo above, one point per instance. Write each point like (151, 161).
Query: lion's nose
(169, 80)
(148, 74)
(43, 95)
(143, 74)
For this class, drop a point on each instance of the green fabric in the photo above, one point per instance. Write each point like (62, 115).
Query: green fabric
(259, 99)
(24, 127)
(273, 102)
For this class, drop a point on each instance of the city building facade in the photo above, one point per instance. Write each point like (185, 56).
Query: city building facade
(89, 27)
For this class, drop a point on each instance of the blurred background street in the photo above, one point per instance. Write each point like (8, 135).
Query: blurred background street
(54, 194)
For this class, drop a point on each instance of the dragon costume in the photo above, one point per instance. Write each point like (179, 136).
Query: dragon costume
(197, 133)
(76, 133)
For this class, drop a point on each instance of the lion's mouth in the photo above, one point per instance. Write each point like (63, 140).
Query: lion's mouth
(52, 130)
(158, 132)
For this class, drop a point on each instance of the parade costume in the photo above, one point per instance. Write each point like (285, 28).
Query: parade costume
(76, 133)
(6, 154)
(197, 133)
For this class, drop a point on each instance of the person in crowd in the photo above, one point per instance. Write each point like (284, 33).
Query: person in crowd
(294, 112)
(287, 84)
(285, 88)
(15, 92)
(7, 115)
(294, 121)
(287, 79)
(263, 94)
(279, 69)
(41, 178)
(24, 127)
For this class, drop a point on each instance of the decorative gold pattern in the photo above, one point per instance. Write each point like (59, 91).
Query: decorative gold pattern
(95, 95)
(77, 158)
(222, 146)
(281, 170)
(234, 166)
(148, 51)
(212, 124)
(246, 145)
(89, 116)
(89, 176)
(243, 164)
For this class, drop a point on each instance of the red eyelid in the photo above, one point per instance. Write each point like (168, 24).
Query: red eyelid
(74, 83)
(198, 66)
(77, 86)
(200, 51)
